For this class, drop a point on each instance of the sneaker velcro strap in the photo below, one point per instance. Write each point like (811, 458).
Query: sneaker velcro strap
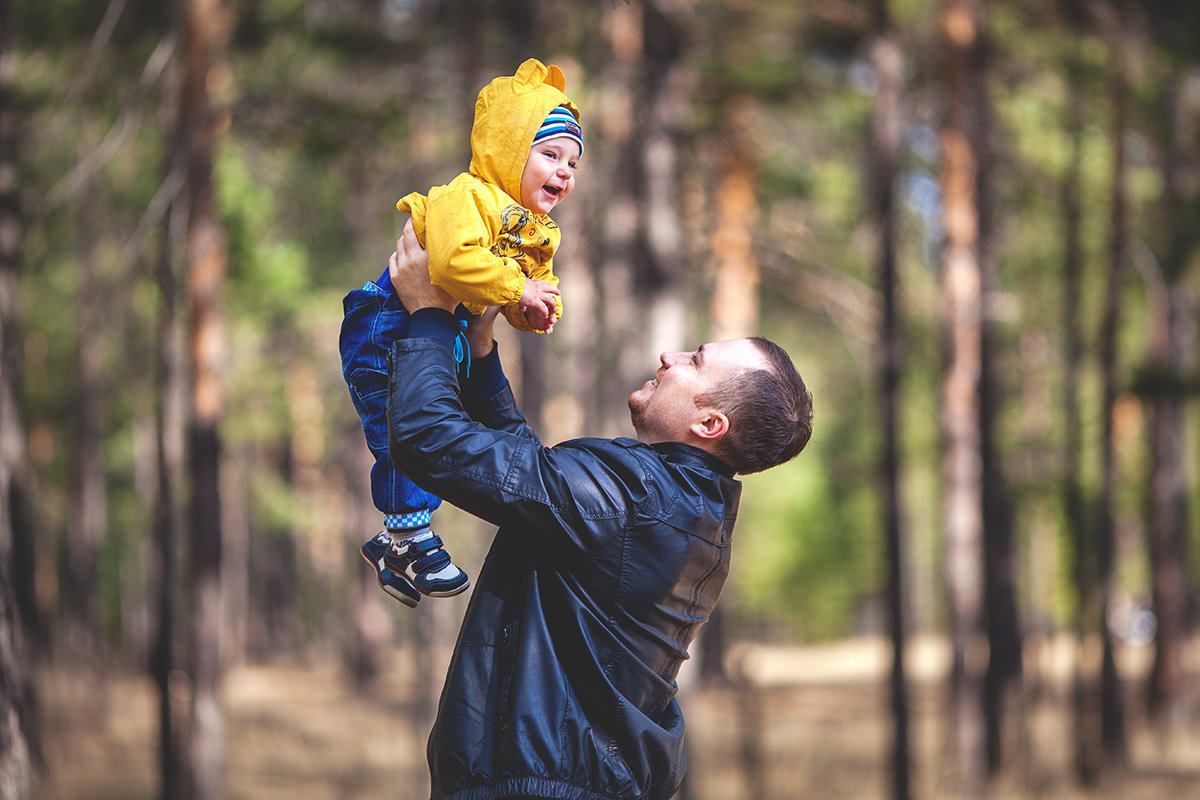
(431, 562)
(431, 542)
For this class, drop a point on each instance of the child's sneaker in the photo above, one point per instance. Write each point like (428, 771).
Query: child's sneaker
(394, 582)
(433, 573)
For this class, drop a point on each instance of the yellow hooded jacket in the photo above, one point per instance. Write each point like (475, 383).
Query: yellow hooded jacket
(482, 243)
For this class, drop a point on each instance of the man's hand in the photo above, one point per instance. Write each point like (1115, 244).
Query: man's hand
(408, 268)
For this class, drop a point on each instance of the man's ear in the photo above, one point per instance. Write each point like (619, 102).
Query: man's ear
(712, 425)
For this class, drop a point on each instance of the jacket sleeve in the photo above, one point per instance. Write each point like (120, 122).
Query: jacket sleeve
(461, 227)
(503, 476)
(487, 396)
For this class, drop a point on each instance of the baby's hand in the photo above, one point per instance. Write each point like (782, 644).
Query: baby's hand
(539, 304)
(538, 321)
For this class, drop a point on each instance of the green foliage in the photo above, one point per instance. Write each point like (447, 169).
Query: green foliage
(807, 546)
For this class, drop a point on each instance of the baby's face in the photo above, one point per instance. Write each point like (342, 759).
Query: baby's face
(549, 174)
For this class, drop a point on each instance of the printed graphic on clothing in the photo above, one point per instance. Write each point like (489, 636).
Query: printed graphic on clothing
(523, 236)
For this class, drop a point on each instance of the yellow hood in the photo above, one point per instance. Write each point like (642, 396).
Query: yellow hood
(508, 113)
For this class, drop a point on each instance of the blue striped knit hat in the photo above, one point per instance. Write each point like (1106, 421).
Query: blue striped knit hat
(560, 122)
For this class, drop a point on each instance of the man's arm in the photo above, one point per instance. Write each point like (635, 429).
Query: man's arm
(504, 476)
(486, 393)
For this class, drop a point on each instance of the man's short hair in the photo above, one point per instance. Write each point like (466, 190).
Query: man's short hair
(770, 412)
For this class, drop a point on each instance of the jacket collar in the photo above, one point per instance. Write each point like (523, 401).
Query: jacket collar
(680, 452)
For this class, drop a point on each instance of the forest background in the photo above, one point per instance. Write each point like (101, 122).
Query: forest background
(973, 224)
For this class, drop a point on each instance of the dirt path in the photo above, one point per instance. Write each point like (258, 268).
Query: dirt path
(814, 726)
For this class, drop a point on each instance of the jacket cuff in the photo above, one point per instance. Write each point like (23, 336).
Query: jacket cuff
(433, 323)
(487, 375)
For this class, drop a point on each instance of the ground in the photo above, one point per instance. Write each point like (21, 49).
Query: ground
(798, 723)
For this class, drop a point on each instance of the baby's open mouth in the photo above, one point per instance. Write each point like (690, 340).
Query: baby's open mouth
(554, 190)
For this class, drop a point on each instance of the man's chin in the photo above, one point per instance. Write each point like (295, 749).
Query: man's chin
(636, 410)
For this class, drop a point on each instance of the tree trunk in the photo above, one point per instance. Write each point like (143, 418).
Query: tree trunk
(664, 94)
(169, 415)
(1112, 712)
(1171, 337)
(613, 240)
(962, 460)
(733, 308)
(170, 419)
(87, 520)
(204, 33)
(1085, 729)
(887, 127)
(1002, 687)
(640, 249)
(1168, 507)
(17, 737)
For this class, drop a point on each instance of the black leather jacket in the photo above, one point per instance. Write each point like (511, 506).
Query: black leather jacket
(610, 556)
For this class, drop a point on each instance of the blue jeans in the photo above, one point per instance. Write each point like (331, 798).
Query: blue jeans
(374, 319)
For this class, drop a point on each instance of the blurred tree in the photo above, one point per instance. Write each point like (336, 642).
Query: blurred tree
(18, 737)
(1167, 381)
(1002, 683)
(1111, 701)
(1086, 741)
(639, 251)
(1164, 387)
(886, 135)
(961, 39)
(205, 26)
(88, 518)
(170, 409)
(733, 308)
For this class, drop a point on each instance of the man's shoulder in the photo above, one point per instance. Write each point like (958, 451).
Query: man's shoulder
(673, 463)
(618, 447)
(672, 483)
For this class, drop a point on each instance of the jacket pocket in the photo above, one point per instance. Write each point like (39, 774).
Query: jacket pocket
(506, 651)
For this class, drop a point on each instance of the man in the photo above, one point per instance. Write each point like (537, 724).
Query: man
(610, 554)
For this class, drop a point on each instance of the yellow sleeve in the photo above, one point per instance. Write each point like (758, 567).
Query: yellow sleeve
(460, 228)
(545, 272)
(512, 311)
(414, 205)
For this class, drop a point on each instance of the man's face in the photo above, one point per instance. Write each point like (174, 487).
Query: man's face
(664, 408)
(549, 174)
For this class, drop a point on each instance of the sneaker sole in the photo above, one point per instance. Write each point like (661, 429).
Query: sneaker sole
(411, 602)
(447, 592)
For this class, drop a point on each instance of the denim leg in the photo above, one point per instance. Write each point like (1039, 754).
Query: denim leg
(374, 319)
